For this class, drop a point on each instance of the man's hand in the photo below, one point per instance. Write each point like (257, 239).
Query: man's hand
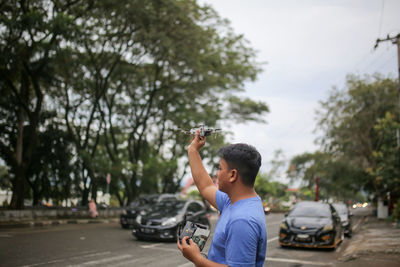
(197, 142)
(190, 251)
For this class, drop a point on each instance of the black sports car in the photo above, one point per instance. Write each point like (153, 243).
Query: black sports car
(127, 218)
(311, 224)
(345, 217)
(162, 221)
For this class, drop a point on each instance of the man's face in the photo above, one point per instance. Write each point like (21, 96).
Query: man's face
(223, 175)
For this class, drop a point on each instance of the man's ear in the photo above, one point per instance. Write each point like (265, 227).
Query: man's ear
(233, 175)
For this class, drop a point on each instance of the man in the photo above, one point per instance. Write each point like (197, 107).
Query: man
(240, 237)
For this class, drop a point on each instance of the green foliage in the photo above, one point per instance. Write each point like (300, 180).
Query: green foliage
(358, 142)
(386, 156)
(114, 201)
(246, 109)
(266, 188)
(49, 174)
(195, 194)
(5, 181)
(306, 193)
(337, 177)
(117, 76)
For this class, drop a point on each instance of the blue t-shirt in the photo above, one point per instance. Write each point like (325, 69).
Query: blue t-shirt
(240, 237)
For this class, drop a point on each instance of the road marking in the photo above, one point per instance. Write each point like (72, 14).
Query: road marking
(164, 249)
(151, 246)
(299, 261)
(124, 263)
(111, 259)
(69, 258)
(91, 255)
(6, 235)
(44, 263)
(186, 264)
(273, 239)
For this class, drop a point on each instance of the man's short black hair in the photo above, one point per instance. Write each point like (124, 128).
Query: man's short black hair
(245, 159)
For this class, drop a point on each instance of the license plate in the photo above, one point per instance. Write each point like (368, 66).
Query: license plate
(147, 230)
(303, 236)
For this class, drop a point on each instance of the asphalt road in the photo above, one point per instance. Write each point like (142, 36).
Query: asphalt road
(109, 245)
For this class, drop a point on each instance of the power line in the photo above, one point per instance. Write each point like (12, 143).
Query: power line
(374, 60)
(385, 63)
(381, 18)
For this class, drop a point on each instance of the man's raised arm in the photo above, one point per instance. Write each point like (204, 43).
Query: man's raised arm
(200, 176)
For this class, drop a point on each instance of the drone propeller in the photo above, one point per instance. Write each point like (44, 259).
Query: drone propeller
(204, 130)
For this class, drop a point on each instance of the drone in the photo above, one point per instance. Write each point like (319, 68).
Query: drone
(204, 130)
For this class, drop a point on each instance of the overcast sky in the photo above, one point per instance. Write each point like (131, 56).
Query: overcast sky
(310, 46)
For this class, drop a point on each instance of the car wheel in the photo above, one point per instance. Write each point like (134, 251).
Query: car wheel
(350, 234)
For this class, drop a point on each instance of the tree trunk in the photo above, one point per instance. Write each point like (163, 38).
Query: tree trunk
(95, 187)
(85, 196)
(36, 192)
(17, 200)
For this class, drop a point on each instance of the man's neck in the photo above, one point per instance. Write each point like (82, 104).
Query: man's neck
(240, 193)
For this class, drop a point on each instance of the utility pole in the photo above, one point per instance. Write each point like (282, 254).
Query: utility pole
(394, 40)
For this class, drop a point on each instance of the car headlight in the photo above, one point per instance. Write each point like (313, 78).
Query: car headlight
(283, 226)
(169, 221)
(328, 227)
(139, 219)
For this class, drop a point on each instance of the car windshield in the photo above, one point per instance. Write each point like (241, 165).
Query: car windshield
(311, 210)
(341, 209)
(169, 206)
(143, 201)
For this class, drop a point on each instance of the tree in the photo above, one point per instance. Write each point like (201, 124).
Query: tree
(119, 75)
(49, 174)
(30, 36)
(386, 171)
(338, 178)
(167, 67)
(358, 131)
(265, 185)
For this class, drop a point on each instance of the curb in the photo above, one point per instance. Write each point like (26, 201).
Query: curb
(26, 224)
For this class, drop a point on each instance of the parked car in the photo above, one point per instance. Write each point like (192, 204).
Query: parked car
(311, 224)
(345, 217)
(267, 209)
(162, 221)
(127, 218)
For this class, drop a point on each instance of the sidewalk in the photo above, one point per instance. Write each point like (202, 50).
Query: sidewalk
(376, 243)
(53, 222)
